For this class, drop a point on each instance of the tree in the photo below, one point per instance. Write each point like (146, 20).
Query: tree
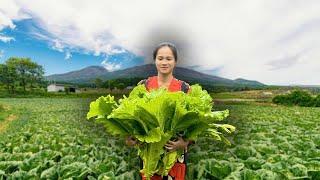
(98, 82)
(8, 76)
(120, 86)
(109, 84)
(36, 75)
(26, 70)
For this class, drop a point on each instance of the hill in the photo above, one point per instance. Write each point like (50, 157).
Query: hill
(88, 74)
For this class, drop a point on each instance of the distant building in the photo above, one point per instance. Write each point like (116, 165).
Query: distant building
(55, 88)
(129, 87)
(267, 93)
(61, 88)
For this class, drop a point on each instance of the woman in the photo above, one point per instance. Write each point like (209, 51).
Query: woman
(165, 56)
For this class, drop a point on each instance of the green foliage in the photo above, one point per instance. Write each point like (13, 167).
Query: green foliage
(316, 101)
(154, 118)
(103, 105)
(270, 143)
(98, 82)
(121, 86)
(4, 113)
(121, 83)
(51, 134)
(214, 169)
(1, 108)
(52, 140)
(20, 72)
(224, 87)
(8, 77)
(298, 97)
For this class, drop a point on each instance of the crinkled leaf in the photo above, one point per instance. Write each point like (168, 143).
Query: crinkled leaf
(103, 106)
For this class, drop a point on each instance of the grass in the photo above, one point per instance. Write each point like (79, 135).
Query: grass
(252, 94)
(3, 112)
(42, 94)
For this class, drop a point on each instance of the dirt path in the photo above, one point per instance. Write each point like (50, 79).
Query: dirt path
(4, 124)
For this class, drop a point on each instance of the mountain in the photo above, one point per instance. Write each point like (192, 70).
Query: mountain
(88, 74)
(248, 82)
(80, 75)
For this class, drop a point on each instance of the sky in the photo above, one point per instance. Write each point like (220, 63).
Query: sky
(271, 41)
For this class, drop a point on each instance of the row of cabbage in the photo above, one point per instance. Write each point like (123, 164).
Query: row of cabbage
(52, 140)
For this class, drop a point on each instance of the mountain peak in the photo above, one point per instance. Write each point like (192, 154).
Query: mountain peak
(94, 67)
(248, 82)
(88, 74)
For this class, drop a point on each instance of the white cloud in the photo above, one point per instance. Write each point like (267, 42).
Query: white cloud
(57, 45)
(9, 12)
(5, 22)
(242, 37)
(6, 38)
(68, 55)
(110, 66)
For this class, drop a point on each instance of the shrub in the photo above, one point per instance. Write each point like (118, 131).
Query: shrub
(298, 97)
(316, 101)
(301, 98)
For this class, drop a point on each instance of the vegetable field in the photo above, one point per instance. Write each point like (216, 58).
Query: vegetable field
(50, 138)
(270, 143)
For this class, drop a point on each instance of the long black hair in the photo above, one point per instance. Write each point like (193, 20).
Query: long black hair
(168, 44)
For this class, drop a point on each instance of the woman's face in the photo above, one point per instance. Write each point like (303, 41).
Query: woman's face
(165, 61)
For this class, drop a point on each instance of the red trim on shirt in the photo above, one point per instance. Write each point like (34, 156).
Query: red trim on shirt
(175, 84)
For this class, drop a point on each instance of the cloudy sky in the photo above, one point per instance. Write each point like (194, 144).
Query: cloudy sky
(272, 41)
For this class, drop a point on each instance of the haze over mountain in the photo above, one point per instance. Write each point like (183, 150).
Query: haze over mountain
(88, 74)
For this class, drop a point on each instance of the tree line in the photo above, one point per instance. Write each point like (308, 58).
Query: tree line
(21, 73)
(119, 83)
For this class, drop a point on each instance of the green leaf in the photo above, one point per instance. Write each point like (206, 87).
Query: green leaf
(103, 106)
(146, 116)
(212, 117)
(187, 120)
(169, 159)
(194, 131)
(152, 136)
(114, 126)
(50, 173)
(151, 153)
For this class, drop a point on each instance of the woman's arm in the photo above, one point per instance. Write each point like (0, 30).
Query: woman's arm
(180, 143)
(131, 141)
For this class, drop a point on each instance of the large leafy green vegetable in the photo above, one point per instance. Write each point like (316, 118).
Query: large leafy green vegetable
(157, 116)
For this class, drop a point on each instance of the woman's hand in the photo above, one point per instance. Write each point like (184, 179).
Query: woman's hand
(131, 141)
(175, 145)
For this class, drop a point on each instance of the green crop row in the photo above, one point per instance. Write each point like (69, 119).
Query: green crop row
(270, 143)
(51, 139)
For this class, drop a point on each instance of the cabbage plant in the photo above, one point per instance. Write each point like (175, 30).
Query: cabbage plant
(155, 117)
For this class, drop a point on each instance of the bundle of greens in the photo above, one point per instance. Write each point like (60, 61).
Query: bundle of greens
(156, 117)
